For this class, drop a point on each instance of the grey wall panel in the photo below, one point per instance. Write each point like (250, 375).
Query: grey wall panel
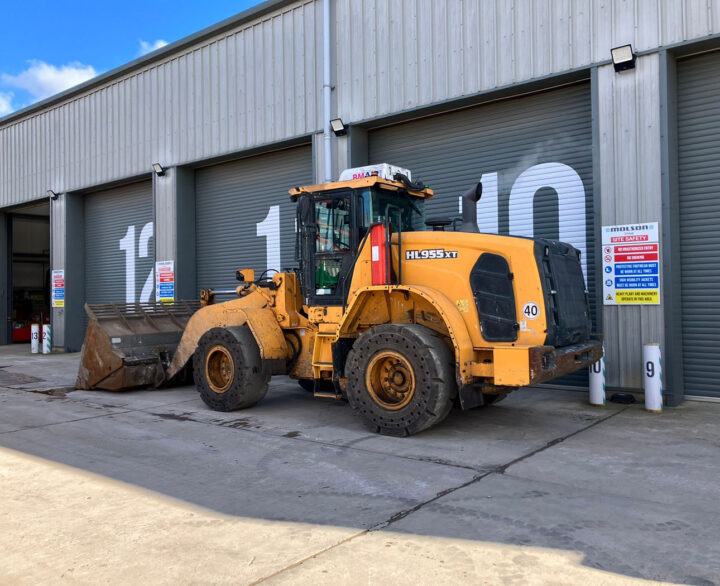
(58, 219)
(5, 279)
(630, 176)
(253, 85)
(120, 245)
(232, 200)
(174, 196)
(698, 111)
(165, 213)
(534, 154)
(71, 252)
(185, 251)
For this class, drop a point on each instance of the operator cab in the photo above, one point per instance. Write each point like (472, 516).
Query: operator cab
(333, 219)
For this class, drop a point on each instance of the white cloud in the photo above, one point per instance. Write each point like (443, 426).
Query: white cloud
(6, 103)
(147, 47)
(42, 80)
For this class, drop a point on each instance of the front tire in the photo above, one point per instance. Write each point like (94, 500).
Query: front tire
(401, 378)
(228, 370)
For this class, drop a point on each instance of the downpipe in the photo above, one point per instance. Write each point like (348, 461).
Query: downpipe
(327, 95)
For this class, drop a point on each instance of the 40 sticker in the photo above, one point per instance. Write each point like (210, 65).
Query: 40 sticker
(530, 310)
(430, 253)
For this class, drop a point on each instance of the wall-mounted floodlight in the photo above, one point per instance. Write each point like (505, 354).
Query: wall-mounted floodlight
(338, 127)
(159, 169)
(623, 57)
(52, 195)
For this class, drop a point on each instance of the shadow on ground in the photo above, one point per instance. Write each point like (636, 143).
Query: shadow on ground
(635, 494)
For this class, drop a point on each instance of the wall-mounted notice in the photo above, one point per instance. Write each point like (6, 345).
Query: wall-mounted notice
(631, 264)
(165, 281)
(58, 288)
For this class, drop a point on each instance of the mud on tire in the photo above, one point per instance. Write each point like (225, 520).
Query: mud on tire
(426, 359)
(228, 370)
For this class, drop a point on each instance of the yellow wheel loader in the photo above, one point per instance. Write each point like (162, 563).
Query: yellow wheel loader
(400, 321)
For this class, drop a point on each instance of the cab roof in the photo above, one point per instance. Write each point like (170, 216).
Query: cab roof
(371, 181)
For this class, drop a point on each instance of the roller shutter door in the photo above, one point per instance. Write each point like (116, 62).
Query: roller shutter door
(698, 120)
(119, 245)
(534, 154)
(244, 216)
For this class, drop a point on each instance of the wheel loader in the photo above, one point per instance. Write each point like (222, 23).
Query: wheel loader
(400, 316)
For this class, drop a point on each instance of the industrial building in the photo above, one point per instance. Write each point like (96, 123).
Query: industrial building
(186, 154)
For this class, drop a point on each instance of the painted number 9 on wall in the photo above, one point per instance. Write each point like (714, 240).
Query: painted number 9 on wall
(530, 310)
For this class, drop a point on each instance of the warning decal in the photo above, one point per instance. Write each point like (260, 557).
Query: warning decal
(165, 281)
(631, 264)
(651, 296)
(58, 288)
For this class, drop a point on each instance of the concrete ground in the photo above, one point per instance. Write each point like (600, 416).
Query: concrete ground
(153, 486)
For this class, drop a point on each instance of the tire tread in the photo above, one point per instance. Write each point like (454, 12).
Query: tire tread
(434, 367)
(252, 376)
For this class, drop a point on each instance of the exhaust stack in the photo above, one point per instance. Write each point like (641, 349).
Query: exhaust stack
(469, 209)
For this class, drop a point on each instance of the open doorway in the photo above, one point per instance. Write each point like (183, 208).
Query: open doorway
(29, 229)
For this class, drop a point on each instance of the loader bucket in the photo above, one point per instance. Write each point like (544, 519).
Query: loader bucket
(130, 345)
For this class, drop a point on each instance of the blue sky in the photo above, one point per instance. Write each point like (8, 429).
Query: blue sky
(48, 46)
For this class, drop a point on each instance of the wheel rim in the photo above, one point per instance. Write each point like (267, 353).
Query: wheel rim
(390, 380)
(219, 369)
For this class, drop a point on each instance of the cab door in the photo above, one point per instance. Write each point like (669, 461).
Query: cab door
(332, 248)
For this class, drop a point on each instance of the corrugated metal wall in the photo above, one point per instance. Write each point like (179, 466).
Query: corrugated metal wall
(698, 109)
(254, 85)
(244, 217)
(119, 245)
(261, 82)
(399, 54)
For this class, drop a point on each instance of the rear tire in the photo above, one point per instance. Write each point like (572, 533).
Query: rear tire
(401, 378)
(228, 370)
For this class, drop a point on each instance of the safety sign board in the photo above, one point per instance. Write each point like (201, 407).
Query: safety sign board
(165, 281)
(57, 286)
(631, 264)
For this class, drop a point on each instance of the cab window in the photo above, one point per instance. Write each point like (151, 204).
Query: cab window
(374, 204)
(332, 244)
(332, 220)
